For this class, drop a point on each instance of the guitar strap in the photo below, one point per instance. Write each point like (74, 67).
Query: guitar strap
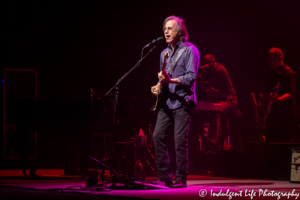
(177, 57)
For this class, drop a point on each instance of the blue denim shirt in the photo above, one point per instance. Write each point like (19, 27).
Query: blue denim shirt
(186, 71)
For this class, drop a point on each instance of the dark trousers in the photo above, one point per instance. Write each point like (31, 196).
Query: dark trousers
(214, 129)
(181, 119)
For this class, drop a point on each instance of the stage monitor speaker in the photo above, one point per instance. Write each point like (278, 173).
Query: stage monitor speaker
(295, 165)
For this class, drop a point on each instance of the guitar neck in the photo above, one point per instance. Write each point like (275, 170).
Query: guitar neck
(165, 61)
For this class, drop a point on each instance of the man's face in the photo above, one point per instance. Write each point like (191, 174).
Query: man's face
(171, 33)
(274, 61)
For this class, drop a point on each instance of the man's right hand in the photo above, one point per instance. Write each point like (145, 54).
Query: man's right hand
(155, 89)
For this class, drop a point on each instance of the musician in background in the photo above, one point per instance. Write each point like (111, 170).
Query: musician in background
(218, 78)
(283, 107)
(178, 102)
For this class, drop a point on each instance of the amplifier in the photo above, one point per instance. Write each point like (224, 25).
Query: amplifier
(295, 165)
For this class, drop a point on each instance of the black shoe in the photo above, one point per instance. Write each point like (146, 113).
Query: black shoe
(179, 184)
(166, 183)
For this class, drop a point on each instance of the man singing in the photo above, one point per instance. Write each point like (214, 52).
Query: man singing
(178, 102)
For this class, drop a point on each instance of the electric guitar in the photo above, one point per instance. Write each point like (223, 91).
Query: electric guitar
(160, 92)
(269, 103)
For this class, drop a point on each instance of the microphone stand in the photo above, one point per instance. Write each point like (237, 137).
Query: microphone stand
(117, 99)
(133, 68)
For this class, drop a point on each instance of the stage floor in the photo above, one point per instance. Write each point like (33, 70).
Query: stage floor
(199, 187)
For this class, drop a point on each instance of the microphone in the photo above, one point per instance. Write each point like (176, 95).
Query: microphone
(155, 42)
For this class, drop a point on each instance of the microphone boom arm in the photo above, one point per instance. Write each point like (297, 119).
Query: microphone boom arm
(133, 68)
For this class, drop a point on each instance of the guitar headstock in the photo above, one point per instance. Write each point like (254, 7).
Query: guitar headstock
(165, 60)
(276, 88)
(253, 100)
(166, 54)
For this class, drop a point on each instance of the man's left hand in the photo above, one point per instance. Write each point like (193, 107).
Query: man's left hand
(164, 77)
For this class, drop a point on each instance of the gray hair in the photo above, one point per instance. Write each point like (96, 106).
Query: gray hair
(180, 27)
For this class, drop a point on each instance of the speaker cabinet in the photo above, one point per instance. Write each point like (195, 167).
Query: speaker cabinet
(295, 165)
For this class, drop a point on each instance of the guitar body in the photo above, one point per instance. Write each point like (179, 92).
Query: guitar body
(160, 97)
(268, 104)
(163, 86)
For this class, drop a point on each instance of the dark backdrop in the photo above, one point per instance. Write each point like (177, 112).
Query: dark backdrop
(75, 45)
